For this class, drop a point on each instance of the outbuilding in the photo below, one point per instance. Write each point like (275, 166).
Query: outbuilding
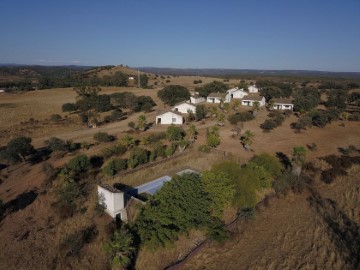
(170, 117)
(253, 89)
(196, 99)
(282, 104)
(250, 99)
(184, 107)
(214, 98)
(235, 93)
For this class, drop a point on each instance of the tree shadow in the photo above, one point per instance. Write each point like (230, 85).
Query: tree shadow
(343, 232)
(20, 202)
(284, 159)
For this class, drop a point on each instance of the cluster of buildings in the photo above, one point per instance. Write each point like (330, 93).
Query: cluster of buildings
(247, 98)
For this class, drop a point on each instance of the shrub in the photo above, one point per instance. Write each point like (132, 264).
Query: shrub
(67, 197)
(56, 144)
(103, 137)
(240, 117)
(268, 125)
(79, 164)
(217, 231)
(115, 166)
(204, 148)
(49, 171)
(174, 133)
(132, 125)
(170, 150)
(156, 137)
(55, 117)
(137, 157)
(270, 163)
(69, 107)
(328, 176)
(116, 150)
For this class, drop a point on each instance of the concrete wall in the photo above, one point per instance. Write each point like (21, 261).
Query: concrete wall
(167, 119)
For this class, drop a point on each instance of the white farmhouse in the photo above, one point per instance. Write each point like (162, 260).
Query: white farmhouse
(2, 91)
(184, 107)
(234, 93)
(253, 89)
(214, 98)
(196, 99)
(170, 117)
(283, 104)
(112, 200)
(249, 100)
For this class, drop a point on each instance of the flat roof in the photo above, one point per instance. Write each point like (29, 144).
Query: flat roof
(153, 186)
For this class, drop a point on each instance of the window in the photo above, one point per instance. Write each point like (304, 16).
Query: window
(174, 120)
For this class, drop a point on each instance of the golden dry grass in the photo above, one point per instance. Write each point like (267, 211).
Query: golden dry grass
(293, 233)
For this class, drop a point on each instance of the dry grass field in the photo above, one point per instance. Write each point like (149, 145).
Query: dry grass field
(317, 230)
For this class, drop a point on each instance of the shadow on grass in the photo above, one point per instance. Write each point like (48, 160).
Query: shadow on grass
(343, 232)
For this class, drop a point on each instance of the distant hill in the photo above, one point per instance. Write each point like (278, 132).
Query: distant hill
(249, 72)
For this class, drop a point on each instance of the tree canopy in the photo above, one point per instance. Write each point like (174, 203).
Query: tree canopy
(172, 94)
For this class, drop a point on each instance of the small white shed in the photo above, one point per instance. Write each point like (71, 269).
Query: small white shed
(235, 93)
(112, 200)
(184, 107)
(196, 99)
(170, 117)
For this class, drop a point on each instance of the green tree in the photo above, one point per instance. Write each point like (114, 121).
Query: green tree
(172, 94)
(121, 248)
(200, 112)
(69, 107)
(298, 159)
(137, 157)
(179, 206)
(212, 87)
(220, 189)
(182, 144)
(80, 163)
(114, 166)
(103, 137)
(247, 139)
(128, 141)
(17, 149)
(270, 163)
(213, 137)
(255, 108)
(142, 122)
(192, 133)
(174, 133)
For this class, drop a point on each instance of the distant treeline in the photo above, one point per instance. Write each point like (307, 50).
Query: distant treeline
(40, 77)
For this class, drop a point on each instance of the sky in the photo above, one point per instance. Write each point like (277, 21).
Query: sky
(257, 34)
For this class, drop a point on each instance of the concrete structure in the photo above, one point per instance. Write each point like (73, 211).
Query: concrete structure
(115, 201)
(170, 117)
(253, 89)
(196, 99)
(214, 97)
(112, 200)
(184, 107)
(235, 93)
(249, 100)
(131, 81)
(2, 91)
(283, 104)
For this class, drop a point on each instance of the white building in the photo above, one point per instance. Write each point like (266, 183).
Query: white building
(234, 93)
(170, 117)
(2, 91)
(112, 200)
(253, 89)
(249, 100)
(214, 98)
(196, 99)
(283, 104)
(184, 107)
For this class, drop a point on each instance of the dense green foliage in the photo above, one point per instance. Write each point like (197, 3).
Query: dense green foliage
(212, 87)
(137, 157)
(172, 94)
(114, 166)
(80, 163)
(270, 89)
(240, 117)
(270, 163)
(319, 118)
(275, 119)
(179, 206)
(17, 149)
(213, 136)
(306, 99)
(175, 133)
(200, 112)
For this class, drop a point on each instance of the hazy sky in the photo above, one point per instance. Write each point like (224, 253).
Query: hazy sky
(268, 34)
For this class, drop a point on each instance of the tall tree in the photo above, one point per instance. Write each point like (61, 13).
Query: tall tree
(17, 149)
